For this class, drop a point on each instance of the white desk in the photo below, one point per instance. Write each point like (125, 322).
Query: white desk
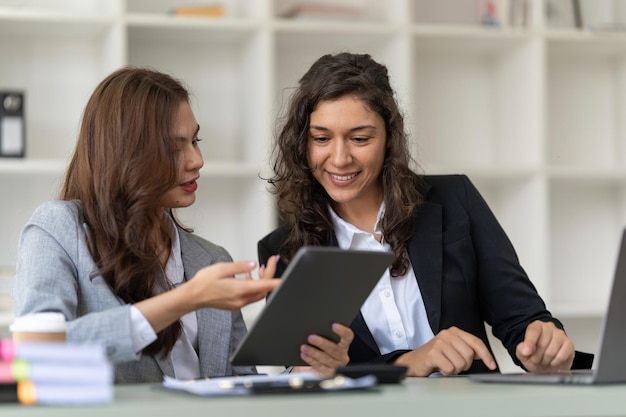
(455, 396)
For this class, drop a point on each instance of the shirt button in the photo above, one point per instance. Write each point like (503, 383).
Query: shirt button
(387, 293)
(399, 334)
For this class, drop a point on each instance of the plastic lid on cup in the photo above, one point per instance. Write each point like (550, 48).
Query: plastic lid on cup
(47, 322)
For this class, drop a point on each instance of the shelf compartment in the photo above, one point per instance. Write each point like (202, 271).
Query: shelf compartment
(226, 71)
(56, 70)
(586, 95)
(59, 7)
(451, 13)
(586, 222)
(478, 99)
(446, 12)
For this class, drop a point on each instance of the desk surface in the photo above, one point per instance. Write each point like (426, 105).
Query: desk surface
(426, 396)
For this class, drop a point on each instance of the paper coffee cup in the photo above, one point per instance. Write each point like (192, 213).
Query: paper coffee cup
(39, 327)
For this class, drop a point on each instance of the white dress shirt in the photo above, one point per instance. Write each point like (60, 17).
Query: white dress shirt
(394, 311)
(184, 354)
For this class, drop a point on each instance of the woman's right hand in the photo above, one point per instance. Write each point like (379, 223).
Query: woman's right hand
(213, 286)
(216, 286)
(450, 352)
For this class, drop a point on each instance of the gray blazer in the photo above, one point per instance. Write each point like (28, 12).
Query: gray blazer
(53, 273)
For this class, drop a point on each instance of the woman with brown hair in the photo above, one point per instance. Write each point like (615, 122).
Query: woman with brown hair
(110, 255)
(342, 177)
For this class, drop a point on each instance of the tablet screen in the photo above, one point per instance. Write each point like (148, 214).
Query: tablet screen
(320, 286)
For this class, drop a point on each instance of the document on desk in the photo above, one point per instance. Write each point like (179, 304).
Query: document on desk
(264, 384)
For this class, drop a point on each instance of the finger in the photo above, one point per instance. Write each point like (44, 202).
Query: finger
(329, 352)
(554, 348)
(319, 360)
(308, 356)
(458, 355)
(330, 348)
(451, 362)
(261, 286)
(531, 338)
(247, 291)
(340, 348)
(230, 269)
(548, 346)
(565, 356)
(346, 335)
(269, 270)
(479, 350)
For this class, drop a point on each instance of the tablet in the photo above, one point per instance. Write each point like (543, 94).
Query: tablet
(320, 286)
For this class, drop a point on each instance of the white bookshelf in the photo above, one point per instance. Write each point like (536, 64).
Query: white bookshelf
(535, 115)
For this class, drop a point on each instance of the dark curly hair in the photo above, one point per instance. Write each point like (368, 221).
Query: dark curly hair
(302, 201)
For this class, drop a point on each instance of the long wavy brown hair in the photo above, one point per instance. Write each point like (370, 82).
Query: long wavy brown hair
(302, 201)
(122, 165)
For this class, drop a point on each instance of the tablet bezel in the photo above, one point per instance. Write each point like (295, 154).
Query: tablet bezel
(321, 285)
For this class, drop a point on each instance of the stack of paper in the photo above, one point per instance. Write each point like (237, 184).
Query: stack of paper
(55, 373)
(266, 384)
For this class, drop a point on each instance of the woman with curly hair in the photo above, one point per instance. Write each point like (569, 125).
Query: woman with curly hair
(342, 177)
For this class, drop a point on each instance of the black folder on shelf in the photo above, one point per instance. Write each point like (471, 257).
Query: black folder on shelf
(12, 136)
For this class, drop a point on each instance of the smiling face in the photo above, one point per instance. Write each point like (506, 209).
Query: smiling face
(346, 150)
(189, 159)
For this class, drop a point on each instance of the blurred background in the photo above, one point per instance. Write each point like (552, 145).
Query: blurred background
(527, 97)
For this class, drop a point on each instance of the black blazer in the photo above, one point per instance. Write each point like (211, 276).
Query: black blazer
(466, 268)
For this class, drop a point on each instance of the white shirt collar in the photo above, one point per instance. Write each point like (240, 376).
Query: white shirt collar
(345, 231)
(174, 269)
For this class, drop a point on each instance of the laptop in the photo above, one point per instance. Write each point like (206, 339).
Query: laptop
(321, 285)
(611, 360)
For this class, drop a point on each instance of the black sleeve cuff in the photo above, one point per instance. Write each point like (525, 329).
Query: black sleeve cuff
(582, 360)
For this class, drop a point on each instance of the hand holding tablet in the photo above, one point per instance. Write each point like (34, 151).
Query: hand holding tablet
(321, 286)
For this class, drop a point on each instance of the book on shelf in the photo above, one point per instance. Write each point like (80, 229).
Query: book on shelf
(200, 10)
(588, 15)
(504, 13)
(324, 11)
(518, 13)
(564, 14)
(578, 16)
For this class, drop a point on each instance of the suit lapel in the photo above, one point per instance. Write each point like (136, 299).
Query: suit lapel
(213, 325)
(165, 364)
(425, 250)
(213, 334)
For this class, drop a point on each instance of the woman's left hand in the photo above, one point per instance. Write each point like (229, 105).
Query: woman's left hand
(324, 355)
(545, 348)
